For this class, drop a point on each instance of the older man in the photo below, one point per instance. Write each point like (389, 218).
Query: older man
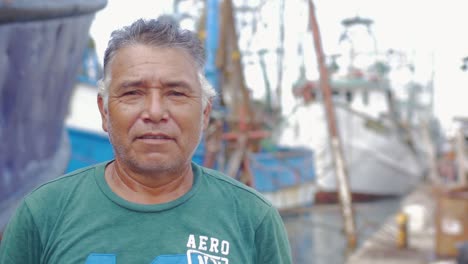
(151, 204)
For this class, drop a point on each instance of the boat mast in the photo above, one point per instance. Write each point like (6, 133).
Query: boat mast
(280, 58)
(336, 145)
(239, 118)
(261, 59)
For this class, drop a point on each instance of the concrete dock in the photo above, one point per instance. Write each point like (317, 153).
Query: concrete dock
(382, 247)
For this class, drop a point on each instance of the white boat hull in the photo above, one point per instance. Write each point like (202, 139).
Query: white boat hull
(378, 161)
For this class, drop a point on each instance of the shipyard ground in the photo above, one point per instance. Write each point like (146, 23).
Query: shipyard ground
(386, 245)
(316, 232)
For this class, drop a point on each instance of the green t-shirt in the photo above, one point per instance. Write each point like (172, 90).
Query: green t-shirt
(78, 219)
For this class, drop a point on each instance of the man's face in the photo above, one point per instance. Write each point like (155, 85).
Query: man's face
(154, 116)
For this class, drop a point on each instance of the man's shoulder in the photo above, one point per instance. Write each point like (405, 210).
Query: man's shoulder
(56, 188)
(235, 187)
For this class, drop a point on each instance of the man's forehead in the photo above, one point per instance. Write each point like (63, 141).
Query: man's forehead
(145, 50)
(153, 65)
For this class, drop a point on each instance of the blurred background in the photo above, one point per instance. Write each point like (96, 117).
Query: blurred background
(397, 82)
(430, 32)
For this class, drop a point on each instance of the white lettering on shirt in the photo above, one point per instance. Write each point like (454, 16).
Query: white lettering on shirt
(224, 247)
(205, 243)
(202, 244)
(191, 242)
(214, 243)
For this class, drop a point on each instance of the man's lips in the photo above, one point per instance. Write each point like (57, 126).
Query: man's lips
(154, 136)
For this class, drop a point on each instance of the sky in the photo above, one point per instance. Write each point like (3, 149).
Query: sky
(431, 32)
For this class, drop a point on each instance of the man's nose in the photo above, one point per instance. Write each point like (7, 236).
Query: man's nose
(155, 107)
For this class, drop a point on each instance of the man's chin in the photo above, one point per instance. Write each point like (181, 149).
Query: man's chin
(159, 166)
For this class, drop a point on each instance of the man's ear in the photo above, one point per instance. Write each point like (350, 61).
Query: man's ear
(103, 111)
(206, 114)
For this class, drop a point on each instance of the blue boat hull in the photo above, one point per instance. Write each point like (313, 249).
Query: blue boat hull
(41, 45)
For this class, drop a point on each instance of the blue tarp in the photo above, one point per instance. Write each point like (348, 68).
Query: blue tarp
(282, 168)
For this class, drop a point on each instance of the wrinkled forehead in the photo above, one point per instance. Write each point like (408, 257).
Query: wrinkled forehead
(159, 59)
(138, 51)
(154, 65)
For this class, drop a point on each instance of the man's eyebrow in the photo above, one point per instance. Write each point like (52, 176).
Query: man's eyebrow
(133, 83)
(176, 83)
(167, 84)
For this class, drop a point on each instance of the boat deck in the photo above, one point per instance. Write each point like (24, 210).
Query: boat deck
(383, 248)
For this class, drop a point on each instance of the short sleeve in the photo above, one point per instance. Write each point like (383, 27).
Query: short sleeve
(271, 240)
(21, 241)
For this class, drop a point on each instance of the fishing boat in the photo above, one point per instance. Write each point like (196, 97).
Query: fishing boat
(381, 156)
(232, 142)
(41, 45)
(285, 175)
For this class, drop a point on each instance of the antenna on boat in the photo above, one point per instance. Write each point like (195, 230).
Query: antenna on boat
(336, 145)
(353, 27)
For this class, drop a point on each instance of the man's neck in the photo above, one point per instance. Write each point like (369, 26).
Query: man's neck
(144, 189)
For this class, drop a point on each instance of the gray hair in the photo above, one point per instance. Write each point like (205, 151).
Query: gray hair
(161, 32)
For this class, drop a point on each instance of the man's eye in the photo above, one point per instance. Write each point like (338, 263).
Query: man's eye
(176, 93)
(130, 93)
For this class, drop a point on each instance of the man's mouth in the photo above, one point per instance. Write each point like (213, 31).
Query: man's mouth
(158, 136)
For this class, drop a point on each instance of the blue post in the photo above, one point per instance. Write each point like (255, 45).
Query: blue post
(211, 45)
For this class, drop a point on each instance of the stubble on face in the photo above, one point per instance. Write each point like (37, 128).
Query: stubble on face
(153, 169)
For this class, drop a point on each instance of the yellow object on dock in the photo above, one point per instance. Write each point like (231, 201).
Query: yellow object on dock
(402, 232)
